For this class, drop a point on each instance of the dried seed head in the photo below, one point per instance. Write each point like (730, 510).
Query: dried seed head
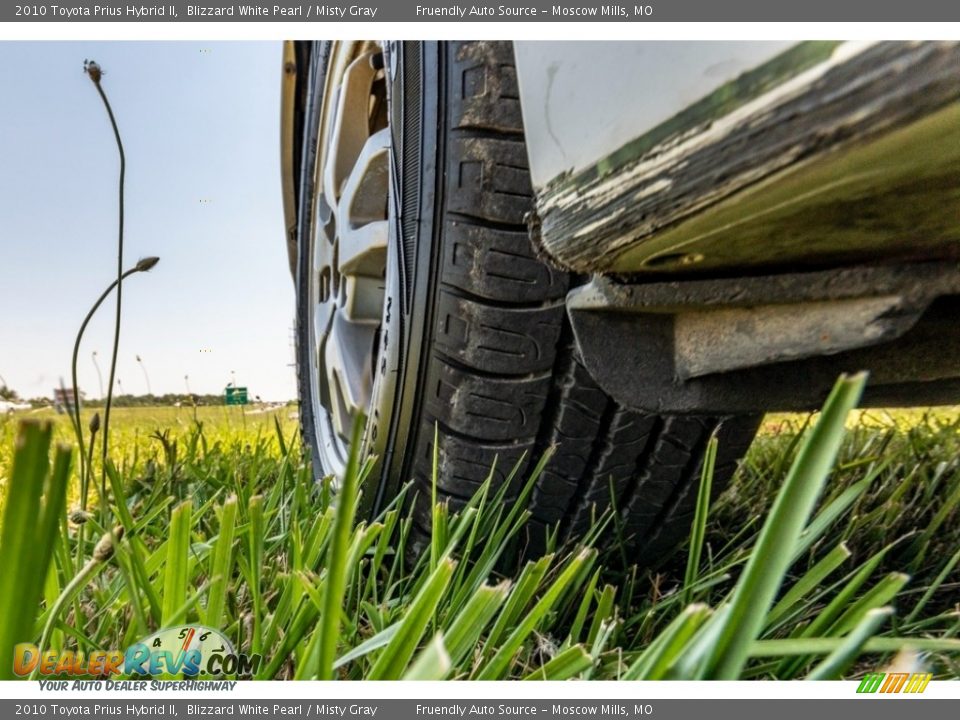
(906, 661)
(91, 68)
(95, 423)
(104, 549)
(147, 263)
(247, 621)
(79, 517)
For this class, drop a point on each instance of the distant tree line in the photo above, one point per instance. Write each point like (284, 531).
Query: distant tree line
(166, 400)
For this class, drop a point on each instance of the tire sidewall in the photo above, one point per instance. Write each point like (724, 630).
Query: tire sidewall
(412, 262)
(402, 331)
(308, 385)
(306, 380)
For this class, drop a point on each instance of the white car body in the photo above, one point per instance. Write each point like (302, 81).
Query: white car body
(583, 100)
(6, 406)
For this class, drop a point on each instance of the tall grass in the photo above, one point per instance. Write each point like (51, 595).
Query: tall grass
(801, 570)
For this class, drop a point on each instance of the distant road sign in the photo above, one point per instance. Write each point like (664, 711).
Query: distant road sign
(235, 395)
(63, 399)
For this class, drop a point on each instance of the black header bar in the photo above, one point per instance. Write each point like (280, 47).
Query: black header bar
(644, 11)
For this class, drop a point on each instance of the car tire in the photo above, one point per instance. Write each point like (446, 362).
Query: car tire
(474, 345)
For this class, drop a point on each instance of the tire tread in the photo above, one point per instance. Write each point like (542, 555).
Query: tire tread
(504, 382)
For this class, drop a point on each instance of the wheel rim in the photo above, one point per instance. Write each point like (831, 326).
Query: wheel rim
(348, 245)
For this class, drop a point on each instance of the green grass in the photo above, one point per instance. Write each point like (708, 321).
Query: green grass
(836, 548)
(137, 432)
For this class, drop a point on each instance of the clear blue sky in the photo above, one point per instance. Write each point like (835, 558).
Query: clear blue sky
(200, 125)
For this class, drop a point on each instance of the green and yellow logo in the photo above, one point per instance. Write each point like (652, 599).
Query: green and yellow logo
(894, 682)
(191, 650)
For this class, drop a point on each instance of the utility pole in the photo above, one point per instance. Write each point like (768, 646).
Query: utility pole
(99, 375)
(145, 376)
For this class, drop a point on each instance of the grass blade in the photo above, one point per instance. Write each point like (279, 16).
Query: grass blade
(381, 639)
(392, 662)
(33, 508)
(433, 663)
(836, 663)
(933, 587)
(772, 554)
(177, 557)
(465, 630)
(699, 529)
(789, 647)
(320, 664)
(497, 667)
(661, 654)
(255, 536)
(604, 612)
(571, 662)
(809, 582)
(221, 563)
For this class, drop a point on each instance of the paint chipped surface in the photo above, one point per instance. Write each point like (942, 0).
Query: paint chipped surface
(862, 93)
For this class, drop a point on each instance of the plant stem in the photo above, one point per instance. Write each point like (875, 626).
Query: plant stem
(78, 429)
(105, 441)
(101, 555)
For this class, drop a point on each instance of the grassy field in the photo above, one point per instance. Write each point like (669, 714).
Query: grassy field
(136, 433)
(834, 552)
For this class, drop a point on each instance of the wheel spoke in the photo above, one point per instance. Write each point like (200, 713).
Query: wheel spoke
(322, 254)
(363, 299)
(322, 315)
(364, 195)
(362, 213)
(347, 363)
(350, 126)
(325, 236)
(363, 251)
